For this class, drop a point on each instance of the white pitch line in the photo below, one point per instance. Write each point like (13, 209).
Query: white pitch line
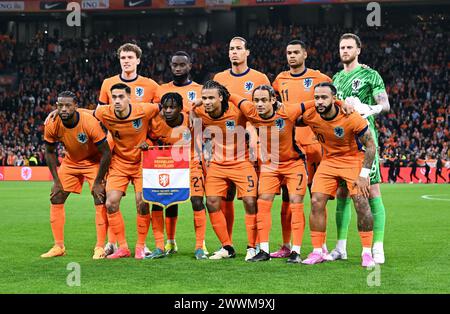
(433, 198)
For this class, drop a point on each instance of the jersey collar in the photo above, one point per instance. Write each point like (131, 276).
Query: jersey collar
(181, 85)
(124, 117)
(77, 120)
(128, 81)
(300, 74)
(238, 75)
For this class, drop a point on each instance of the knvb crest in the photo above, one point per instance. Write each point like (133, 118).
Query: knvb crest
(307, 83)
(356, 85)
(191, 95)
(139, 91)
(339, 132)
(280, 123)
(248, 86)
(164, 179)
(82, 138)
(187, 136)
(230, 125)
(137, 124)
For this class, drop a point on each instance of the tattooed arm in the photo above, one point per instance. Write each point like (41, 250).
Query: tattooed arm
(363, 181)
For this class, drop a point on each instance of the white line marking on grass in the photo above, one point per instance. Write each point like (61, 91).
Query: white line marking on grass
(434, 198)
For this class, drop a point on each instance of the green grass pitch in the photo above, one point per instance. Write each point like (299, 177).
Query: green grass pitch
(416, 246)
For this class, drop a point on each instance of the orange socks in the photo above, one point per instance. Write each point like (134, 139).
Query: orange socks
(252, 231)
(286, 215)
(171, 226)
(297, 223)
(219, 225)
(142, 226)
(200, 227)
(111, 236)
(264, 220)
(57, 220)
(228, 210)
(317, 239)
(158, 228)
(101, 224)
(366, 238)
(117, 227)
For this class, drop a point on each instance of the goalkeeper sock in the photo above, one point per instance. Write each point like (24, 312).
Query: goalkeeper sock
(379, 218)
(343, 217)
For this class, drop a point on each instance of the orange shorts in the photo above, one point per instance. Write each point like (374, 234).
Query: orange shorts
(72, 176)
(120, 174)
(314, 153)
(328, 177)
(219, 177)
(289, 173)
(197, 183)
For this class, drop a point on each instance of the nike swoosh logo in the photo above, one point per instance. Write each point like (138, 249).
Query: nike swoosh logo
(51, 6)
(133, 4)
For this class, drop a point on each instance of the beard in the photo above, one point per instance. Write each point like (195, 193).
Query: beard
(69, 117)
(349, 60)
(327, 109)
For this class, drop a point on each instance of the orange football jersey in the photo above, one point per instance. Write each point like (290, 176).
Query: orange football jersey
(228, 136)
(276, 134)
(339, 137)
(189, 92)
(79, 141)
(242, 84)
(143, 89)
(298, 88)
(127, 132)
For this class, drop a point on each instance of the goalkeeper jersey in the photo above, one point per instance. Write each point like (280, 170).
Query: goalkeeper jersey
(362, 82)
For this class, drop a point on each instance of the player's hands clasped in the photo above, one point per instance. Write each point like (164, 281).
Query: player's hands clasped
(143, 146)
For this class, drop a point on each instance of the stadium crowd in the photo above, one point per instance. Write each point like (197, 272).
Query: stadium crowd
(416, 78)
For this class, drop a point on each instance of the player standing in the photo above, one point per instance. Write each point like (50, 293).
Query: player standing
(143, 89)
(240, 80)
(342, 138)
(229, 163)
(87, 156)
(281, 161)
(180, 65)
(367, 85)
(294, 87)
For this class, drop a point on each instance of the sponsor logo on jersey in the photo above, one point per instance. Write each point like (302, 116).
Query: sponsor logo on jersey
(82, 138)
(230, 125)
(137, 124)
(248, 86)
(191, 95)
(280, 123)
(139, 91)
(307, 83)
(339, 132)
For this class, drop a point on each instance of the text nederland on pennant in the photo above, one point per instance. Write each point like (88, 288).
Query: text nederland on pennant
(166, 175)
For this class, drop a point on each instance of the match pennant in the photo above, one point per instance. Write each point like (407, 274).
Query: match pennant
(166, 175)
